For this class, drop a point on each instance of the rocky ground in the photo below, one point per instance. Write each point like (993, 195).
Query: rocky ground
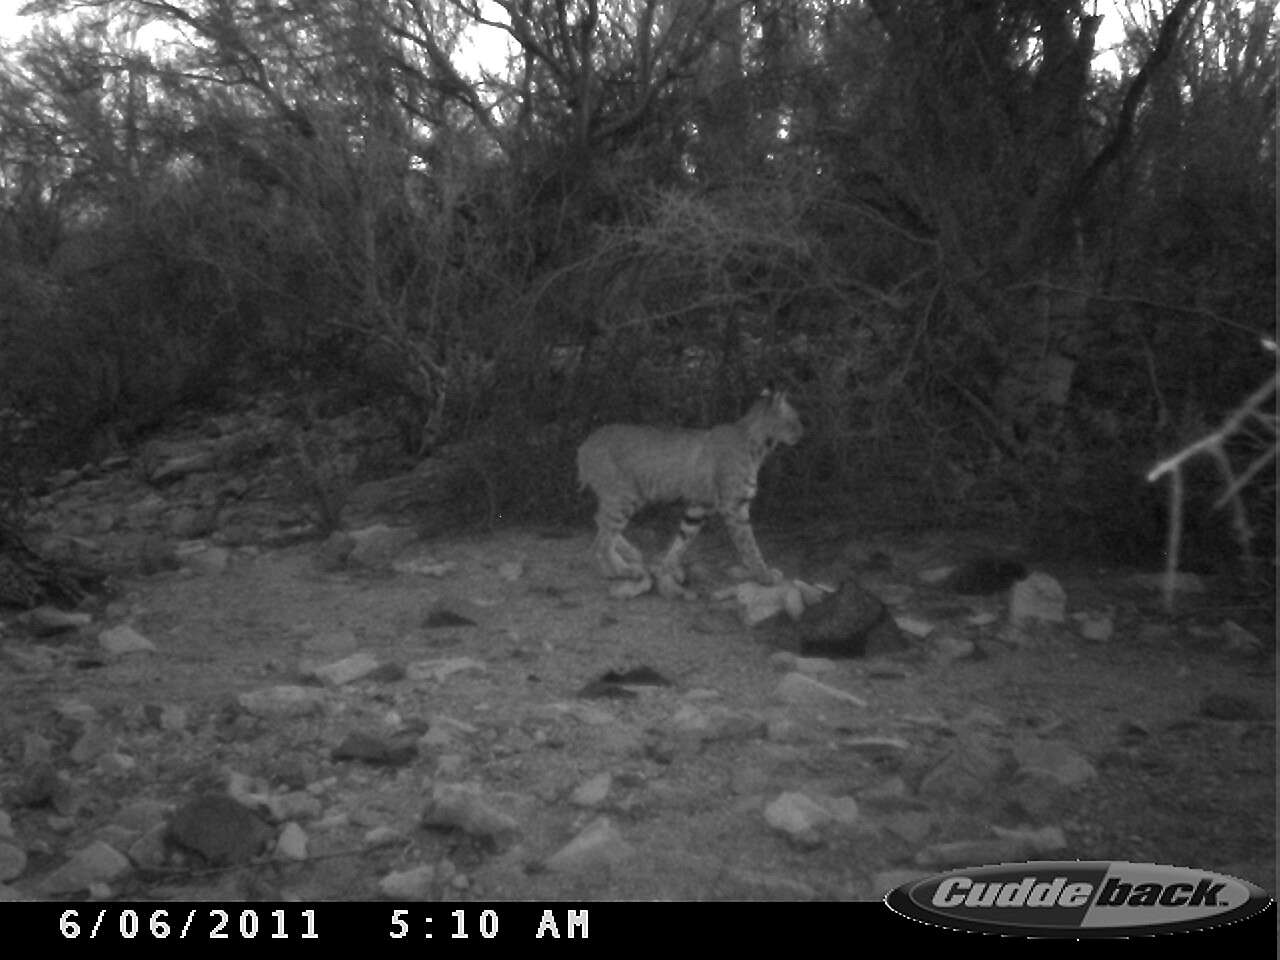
(261, 713)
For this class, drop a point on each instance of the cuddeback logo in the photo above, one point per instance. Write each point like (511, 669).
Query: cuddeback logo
(1075, 898)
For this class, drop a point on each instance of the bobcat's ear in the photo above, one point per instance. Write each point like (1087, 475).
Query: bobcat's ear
(775, 397)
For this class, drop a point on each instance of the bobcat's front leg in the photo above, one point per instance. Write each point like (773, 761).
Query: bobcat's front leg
(738, 521)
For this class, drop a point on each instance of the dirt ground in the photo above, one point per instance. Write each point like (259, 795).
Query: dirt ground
(683, 788)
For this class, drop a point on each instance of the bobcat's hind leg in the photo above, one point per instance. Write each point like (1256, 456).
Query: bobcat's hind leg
(615, 554)
(670, 568)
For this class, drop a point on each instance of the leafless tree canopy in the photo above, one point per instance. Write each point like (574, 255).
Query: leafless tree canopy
(1006, 255)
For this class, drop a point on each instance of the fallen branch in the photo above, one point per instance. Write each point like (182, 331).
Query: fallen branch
(1214, 444)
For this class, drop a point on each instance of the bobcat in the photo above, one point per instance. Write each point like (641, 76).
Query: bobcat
(710, 470)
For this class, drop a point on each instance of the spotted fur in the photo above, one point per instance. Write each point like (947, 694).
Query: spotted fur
(711, 471)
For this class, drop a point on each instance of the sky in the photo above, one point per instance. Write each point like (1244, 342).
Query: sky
(13, 26)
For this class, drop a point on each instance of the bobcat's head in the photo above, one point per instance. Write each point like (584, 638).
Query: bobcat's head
(774, 420)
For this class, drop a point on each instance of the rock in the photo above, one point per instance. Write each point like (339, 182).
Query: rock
(1231, 706)
(334, 552)
(950, 646)
(1182, 582)
(1037, 598)
(758, 602)
(631, 588)
(94, 742)
(123, 640)
(291, 844)
(1239, 641)
(393, 750)
(715, 723)
(35, 659)
(598, 844)
(985, 576)
(1054, 758)
(463, 807)
(77, 712)
(800, 689)
(150, 850)
(801, 817)
(965, 774)
(382, 836)
(329, 643)
(911, 826)
(935, 575)
(97, 863)
(188, 523)
(876, 747)
(294, 805)
(765, 886)
(173, 718)
(142, 815)
(282, 701)
(440, 617)
(415, 884)
(809, 666)
(886, 880)
(1098, 628)
(40, 785)
(1041, 841)
(344, 671)
(846, 622)
(219, 829)
(379, 545)
(590, 793)
(916, 626)
(146, 511)
(13, 861)
(440, 670)
(966, 853)
(46, 621)
(203, 558)
(424, 567)
(156, 555)
(444, 731)
(176, 467)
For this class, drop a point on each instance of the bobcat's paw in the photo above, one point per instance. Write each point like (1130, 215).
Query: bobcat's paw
(767, 576)
(669, 586)
(629, 589)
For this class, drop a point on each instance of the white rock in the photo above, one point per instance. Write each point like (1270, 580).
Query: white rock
(798, 688)
(598, 844)
(13, 860)
(424, 567)
(464, 807)
(97, 863)
(441, 669)
(592, 792)
(123, 640)
(291, 844)
(282, 701)
(1039, 840)
(796, 815)
(916, 626)
(347, 670)
(1037, 597)
(415, 884)
(935, 575)
(1096, 627)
